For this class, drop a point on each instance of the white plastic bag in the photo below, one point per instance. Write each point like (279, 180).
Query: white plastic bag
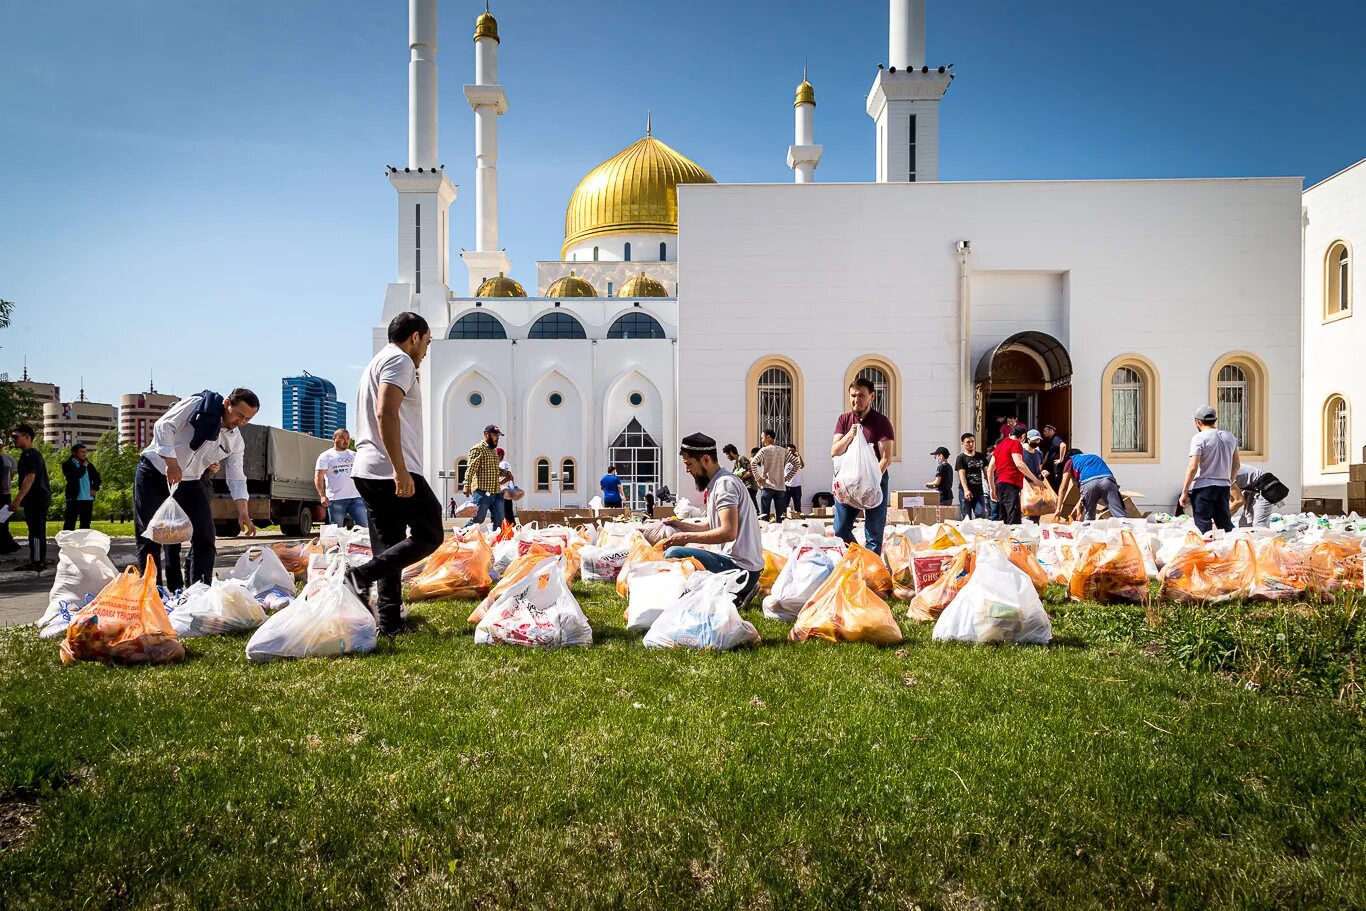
(998, 604)
(655, 586)
(326, 620)
(260, 568)
(705, 617)
(602, 564)
(218, 609)
(858, 480)
(504, 552)
(798, 580)
(83, 569)
(685, 510)
(170, 524)
(537, 612)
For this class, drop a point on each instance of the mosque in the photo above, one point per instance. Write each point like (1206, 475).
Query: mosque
(1109, 308)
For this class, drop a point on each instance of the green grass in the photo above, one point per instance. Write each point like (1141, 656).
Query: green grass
(1121, 767)
(113, 529)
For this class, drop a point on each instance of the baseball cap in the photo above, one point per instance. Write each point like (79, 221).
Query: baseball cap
(1205, 413)
(493, 428)
(1033, 435)
(941, 451)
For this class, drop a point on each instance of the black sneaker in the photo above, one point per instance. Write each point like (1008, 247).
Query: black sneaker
(358, 588)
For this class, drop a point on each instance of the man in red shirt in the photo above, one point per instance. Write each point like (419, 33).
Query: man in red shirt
(876, 429)
(1009, 471)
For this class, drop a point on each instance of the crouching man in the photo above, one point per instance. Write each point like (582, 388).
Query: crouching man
(731, 522)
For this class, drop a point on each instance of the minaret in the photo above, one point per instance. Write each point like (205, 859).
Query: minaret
(424, 192)
(489, 102)
(904, 100)
(803, 155)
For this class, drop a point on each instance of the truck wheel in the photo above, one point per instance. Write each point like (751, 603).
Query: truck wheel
(302, 526)
(227, 529)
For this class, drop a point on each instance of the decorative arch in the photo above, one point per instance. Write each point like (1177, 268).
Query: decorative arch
(1130, 410)
(888, 399)
(1337, 280)
(636, 324)
(461, 423)
(793, 403)
(1337, 433)
(477, 324)
(1239, 390)
(557, 324)
(554, 432)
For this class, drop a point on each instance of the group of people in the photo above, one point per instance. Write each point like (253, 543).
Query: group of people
(24, 483)
(771, 474)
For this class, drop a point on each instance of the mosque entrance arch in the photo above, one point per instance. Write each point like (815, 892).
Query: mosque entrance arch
(637, 457)
(1029, 376)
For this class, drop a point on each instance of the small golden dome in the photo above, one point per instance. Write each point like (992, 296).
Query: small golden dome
(633, 192)
(806, 94)
(502, 286)
(642, 285)
(486, 27)
(571, 286)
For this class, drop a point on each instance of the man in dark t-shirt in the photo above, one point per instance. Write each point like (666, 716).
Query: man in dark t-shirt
(972, 499)
(943, 476)
(34, 495)
(877, 430)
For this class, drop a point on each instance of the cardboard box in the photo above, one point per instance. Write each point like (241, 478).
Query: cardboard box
(898, 516)
(1321, 506)
(1356, 490)
(1070, 501)
(1356, 473)
(932, 515)
(910, 499)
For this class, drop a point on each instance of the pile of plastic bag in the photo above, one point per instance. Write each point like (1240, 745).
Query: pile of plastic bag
(265, 576)
(845, 609)
(1110, 571)
(83, 570)
(459, 568)
(219, 608)
(805, 571)
(537, 611)
(933, 598)
(704, 616)
(125, 624)
(999, 603)
(325, 621)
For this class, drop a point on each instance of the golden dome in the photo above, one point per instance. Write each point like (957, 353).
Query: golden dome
(642, 286)
(633, 192)
(571, 286)
(806, 94)
(502, 286)
(486, 27)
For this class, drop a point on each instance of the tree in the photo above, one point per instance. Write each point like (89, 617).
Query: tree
(15, 403)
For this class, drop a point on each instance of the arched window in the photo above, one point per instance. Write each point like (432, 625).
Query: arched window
(461, 466)
(557, 325)
(886, 382)
(1129, 404)
(1238, 392)
(1337, 280)
(595, 254)
(774, 401)
(626, 252)
(1127, 421)
(636, 325)
(663, 251)
(477, 326)
(568, 479)
(1336, 433)
(542, 475)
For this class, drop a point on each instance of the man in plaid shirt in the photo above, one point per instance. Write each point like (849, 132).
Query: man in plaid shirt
(483, 479)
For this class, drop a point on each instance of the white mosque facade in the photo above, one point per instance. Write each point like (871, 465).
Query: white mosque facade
(1112, 309)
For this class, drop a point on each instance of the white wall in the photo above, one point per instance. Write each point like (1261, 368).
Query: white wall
(1181, 271)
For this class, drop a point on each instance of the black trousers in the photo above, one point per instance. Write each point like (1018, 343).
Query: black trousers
(392, 548)
(35, 517)
(774, 501)
(7, 543)
(78, 511)
(794, 498)
(150, 490)
(1008, 495)
(1209, 507)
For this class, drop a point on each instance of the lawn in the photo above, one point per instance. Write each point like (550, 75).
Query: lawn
(1172, 759)
(112, 529)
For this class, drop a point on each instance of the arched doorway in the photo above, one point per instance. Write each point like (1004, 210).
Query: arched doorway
(1027, 376)
(637, 457)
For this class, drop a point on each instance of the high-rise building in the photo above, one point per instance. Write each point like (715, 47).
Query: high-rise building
(42, 394)
(138, 412)
(310, 405)
(67, 423)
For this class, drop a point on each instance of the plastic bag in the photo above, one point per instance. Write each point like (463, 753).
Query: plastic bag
(260, 568)
(773, 565)
(946, 537)
(83, 570)
(845, 609)
(326, 620)
(803, 575)
(1038, 500)
(998, 604)
(655, 587)
(125, 624)
(899, 554)
(932, 599)
(1201, 573)
(1286, 575)
(218, 609)
(169, 524)
(1022, 556)
(641, 551)
(685, 510)
(1110, 573)
(872, 570)
(538, 611)
(459, 568)
(602, 564)
(294, 557)
(858, 479)
(518, 570)
(705, 616)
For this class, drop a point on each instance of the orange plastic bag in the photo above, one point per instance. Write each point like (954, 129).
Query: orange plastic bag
(1023, 558)
(872, 570)
(946, 537)
(1110, 574)
(773, 564)
(1342, 552)
(899, 556)
(1198, 573)
(458, 569)
(844, 609)
(295, 556)
(1285, 575)
(931, 600)
(1038, 500)
(125, 624)
(517, 570)
(640, 550)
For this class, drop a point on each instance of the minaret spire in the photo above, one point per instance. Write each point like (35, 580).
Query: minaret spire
(904, 100)
(488, 101)
(648, 125)
(803, 155)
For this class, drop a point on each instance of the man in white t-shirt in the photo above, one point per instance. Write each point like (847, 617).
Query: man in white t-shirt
(732, 522)
(1213, 466)
(388, 468)
(332, 478)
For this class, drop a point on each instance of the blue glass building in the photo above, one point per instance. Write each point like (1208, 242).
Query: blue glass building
(310, 405)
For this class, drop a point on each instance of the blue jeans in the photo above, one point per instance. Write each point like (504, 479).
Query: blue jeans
(974, 508)
(874, 521)
(487, 506)
(1209, 507)
(774, 501)
(717, 563)
(338, 510)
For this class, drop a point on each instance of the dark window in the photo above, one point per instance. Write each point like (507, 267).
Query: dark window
(542, 474)
(636, 399)
(595, 254)
(567, 474)
(417, 245)
(911, 150)
(627, 254)
(461, 466)
(663, 251)
(636, 325)
(557, 325)
(477, 325)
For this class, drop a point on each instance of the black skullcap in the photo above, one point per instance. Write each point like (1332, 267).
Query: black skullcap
(698, 442)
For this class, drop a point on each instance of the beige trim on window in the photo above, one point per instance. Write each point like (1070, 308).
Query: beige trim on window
(1328, 419)
(752, 401)
(893, 393)
(536, 477)
(1258, 391)
(574, 466)
(1332, 282)
(1152, 412)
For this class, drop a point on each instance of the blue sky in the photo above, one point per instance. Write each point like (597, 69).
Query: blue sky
(197, 189)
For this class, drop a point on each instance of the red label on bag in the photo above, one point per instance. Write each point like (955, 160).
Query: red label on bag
(927, 568)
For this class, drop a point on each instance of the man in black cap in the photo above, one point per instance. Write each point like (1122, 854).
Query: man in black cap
(1213, 465)
(731, 522)
(943, 476)
(82, 483)
(484, 479)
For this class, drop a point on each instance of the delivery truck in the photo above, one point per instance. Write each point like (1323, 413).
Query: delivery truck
(279, 466)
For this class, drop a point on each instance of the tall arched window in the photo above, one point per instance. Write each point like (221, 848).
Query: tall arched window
(886, 382)
(568, 475)
(1238, 392)
(477, 326)
(595, 254)
(626, 252)
(636, 325)
(1127, 420)
(1337, 280)
(542, 475)
(663, 251)
(557, 325)
(461, 466)
(1231, 401)
(1129, 409)
(1336, 433)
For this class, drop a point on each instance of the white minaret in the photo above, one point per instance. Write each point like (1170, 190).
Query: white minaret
(803, 155)
(904, 100)
(489, 102)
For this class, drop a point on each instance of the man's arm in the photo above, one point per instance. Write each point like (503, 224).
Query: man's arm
(24, 487)
(390, 399)
(729, 517)
(1237, 465)
(320, 485)
(165, 429)
(963, 479)
(237, 488)
(1191, 469)
(1024, 469)
(884, 451)
(841, 442)
(990, 474)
